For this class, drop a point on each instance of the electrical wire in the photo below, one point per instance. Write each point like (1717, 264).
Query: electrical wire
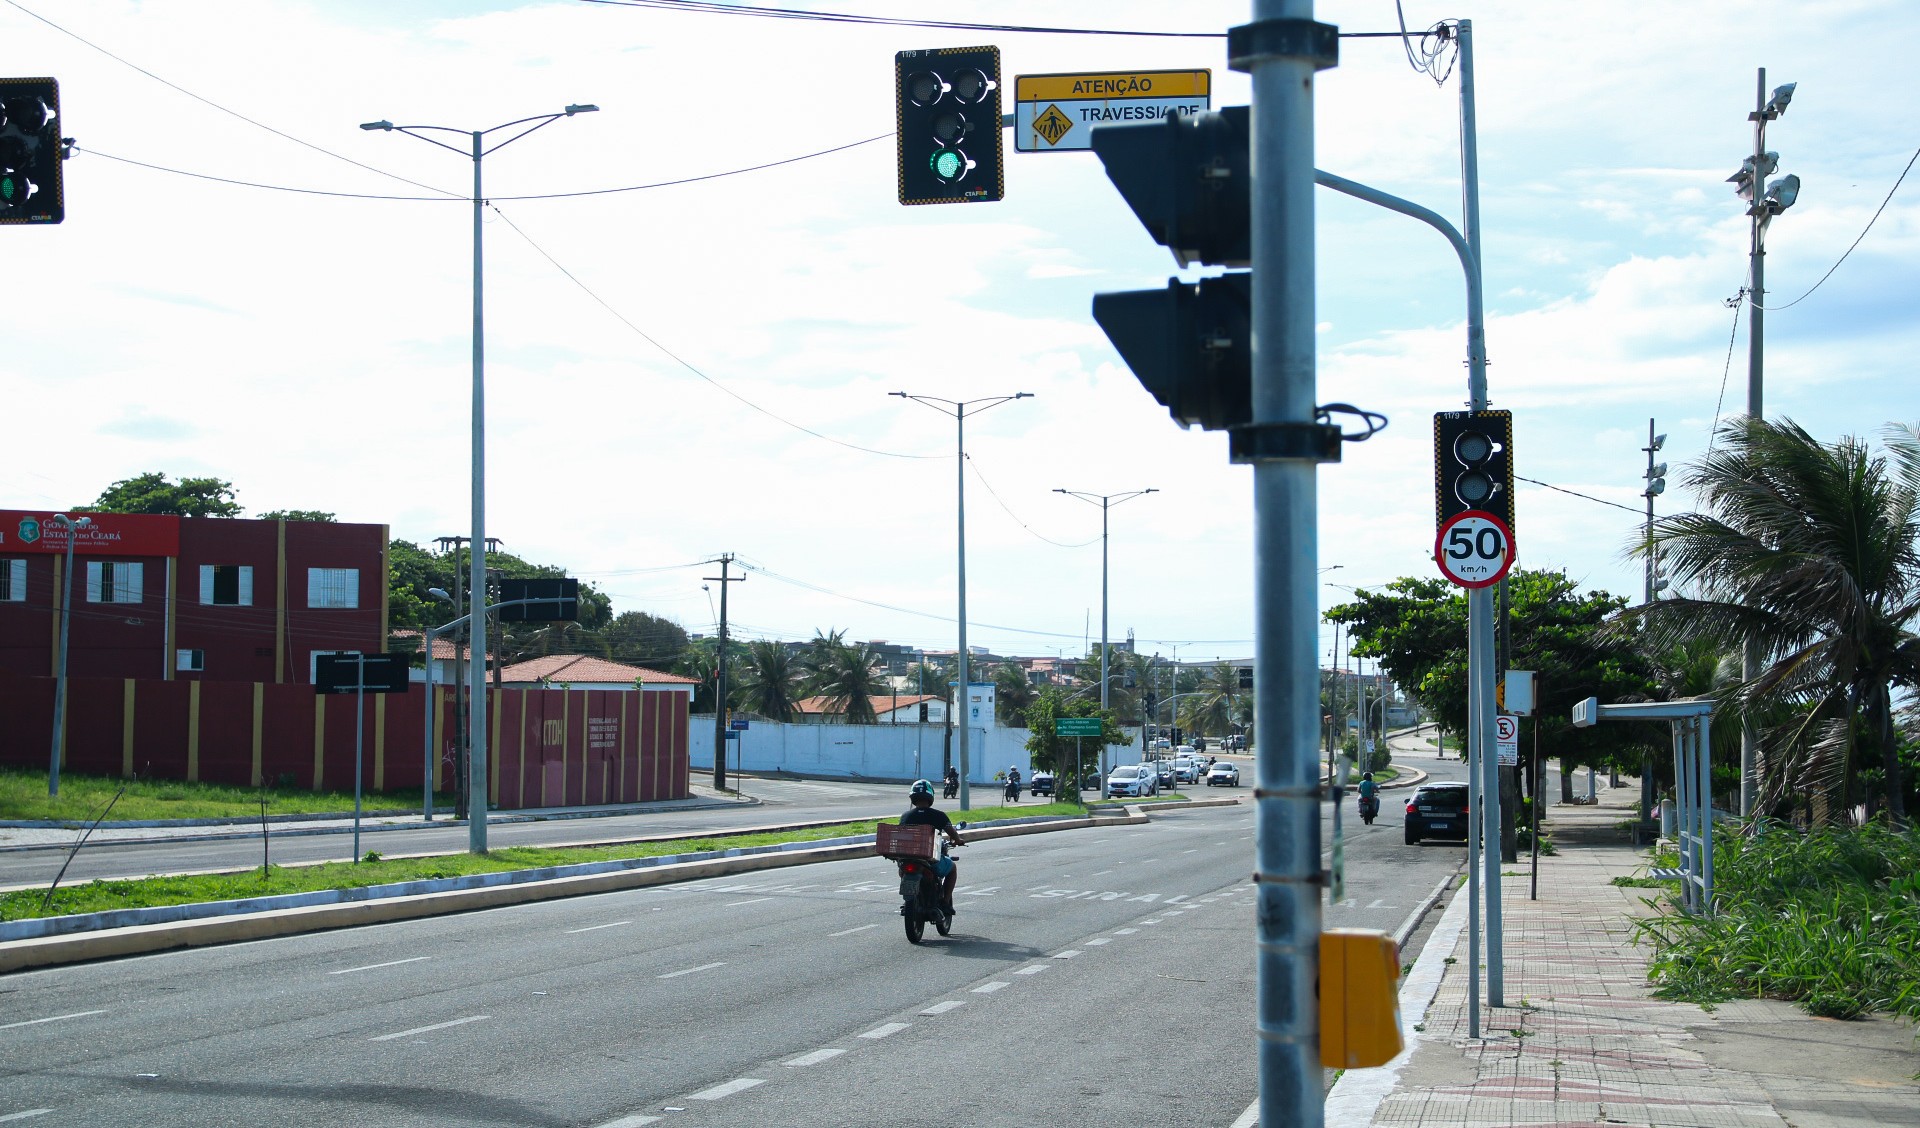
(991, 492)
(1576, 493)
(687, 364)
(1863, 234)
(709, 7)
(1736, 302)
(1434, 43)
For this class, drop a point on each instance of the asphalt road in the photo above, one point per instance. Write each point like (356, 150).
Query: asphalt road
(1108, 970)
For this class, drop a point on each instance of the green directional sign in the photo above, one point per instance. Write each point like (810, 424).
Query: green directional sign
(1076, 726)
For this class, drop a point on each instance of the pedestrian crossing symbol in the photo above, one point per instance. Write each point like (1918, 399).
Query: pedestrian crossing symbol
(1052, 125)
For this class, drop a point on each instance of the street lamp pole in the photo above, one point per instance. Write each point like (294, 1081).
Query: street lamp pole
(477, 656)
(1106, 501)
(66, 621)
(960, 409)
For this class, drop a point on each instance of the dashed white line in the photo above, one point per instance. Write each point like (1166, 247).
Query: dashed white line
(727, 1089)
(1155, 920)
(1195, 850)
(944, 1007)
(53, 1018)
(25, 1113)
(691, 970)
(883, 1031)
(596, 927)
(429, 1029)
(634, 1121)
(817, 1056)
(1097, 941)
(1125, 931)
(1066, 955)
(748, 901)
(851, 931)
(1036, 969)
(990, 988)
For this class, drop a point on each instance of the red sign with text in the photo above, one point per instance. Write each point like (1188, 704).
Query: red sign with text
(109, 534)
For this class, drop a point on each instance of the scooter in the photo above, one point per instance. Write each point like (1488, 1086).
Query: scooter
(1369, 808)
(921, 900)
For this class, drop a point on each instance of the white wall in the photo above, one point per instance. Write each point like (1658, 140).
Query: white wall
(868, 751)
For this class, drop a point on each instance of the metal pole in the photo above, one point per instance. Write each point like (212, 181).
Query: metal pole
(720, 686)
(1286, 545)
(359, 740)
(66, 623)
(477, 552)
(426, 743)
(1756, 352)
(1104, 679)
(960, 541)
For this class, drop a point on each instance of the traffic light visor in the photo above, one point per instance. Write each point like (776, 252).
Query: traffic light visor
(970, 86)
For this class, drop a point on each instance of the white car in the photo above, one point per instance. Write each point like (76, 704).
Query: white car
(1223, 774)
(1133, 781)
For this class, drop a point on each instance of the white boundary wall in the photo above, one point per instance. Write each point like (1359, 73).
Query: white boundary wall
(865, 751)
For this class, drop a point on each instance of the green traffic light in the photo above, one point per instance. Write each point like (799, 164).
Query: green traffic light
(947, 164)
(9, 188)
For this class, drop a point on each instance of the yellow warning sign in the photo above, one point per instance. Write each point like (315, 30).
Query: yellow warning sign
(1052, 125)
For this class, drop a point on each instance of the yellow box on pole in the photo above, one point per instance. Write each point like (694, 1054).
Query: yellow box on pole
(1359, 998)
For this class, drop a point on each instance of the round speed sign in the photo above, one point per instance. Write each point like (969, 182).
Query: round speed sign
(1474, 549)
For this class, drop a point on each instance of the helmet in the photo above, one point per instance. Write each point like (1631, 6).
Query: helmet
(921, 787)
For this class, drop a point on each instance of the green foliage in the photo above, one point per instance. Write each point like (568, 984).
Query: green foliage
(1070, 759)
(23, 795)
(1013, 694)
(846, 673)
(153, 492)
(769, 684)
(298, 515)
(1829, 919)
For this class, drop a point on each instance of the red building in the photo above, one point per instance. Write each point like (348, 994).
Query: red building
(189, 598)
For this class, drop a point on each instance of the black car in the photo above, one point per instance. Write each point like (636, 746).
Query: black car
(1041, 784)
(1438, 810)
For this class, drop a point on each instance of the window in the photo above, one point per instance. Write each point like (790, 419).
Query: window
(113, 581)
(190, 661)
(226, 585)
(333, 587)
(13, 581)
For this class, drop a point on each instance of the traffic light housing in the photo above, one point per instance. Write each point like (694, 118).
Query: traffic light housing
(1188, 179)
(947, 125)
(1473, 464)
(30, 151)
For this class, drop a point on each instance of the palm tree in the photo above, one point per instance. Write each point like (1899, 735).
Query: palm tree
(1013, 694)
(769, 681)
(1809, 552)
(845, 673)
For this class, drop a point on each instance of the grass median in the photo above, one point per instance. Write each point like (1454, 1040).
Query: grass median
(23, 798)
(153, 892)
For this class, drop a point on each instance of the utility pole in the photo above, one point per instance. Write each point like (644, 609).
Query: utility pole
(720, 676)
(462, 669)
(1105, 501)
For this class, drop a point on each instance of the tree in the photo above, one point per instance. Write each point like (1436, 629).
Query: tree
(297, 515)
(152, 492)
(769, 682)
(845, 674)
(1071, 759)
(1809, 553)
(640, 639)
(1012, 694)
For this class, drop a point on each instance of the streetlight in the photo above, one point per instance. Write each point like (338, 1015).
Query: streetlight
(960, 409)
(1656, 477)
(1105, 501)
(477, 703)
(66, 621)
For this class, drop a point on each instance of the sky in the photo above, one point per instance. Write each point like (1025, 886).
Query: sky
(249, 286)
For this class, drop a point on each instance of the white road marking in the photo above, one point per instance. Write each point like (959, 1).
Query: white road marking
(748, 901)
(1097, 941)
(430, 1029)
(990, 988)
(1066, 955)
(851, 931)
(635, 1121)
(1125, 931)
(1176, 899)
(1193, 851)
(883, 1031)
(817, 1056)
(54, 1018)
(691, 970)
(1036, 969)
(25, 1113)
(596, 927)
(727, 1089)
(1378, 904)
(944, 1007)
(1103, 873)
(1155, 920)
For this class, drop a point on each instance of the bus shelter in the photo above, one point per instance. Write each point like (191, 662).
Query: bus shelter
(1692, 725)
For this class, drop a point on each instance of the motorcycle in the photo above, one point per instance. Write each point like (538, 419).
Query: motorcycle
(1013, 790)
(1369, 808)
(921, 900)
(953, 787)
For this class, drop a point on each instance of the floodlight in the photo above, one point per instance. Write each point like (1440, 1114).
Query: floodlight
(1782, 192)
(1777, 104)
(1659, 441)
(1657, 471)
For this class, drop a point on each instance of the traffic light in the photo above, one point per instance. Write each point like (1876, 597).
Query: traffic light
(30, 151)
(1246, 677)
(1187, 177)
(1473, 463)
(947, 125)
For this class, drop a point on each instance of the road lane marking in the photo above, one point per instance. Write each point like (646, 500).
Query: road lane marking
(817, 1056)
(1036, 969)
(370, 967)
(1193, 851)
(990, 988)
(1103, 873)
(944, 1007)
(748, 901)
(430, 1029)
(1125, 931)
(691, 970)
(634, 1121)
(1097, 941)
(727, 1089)
(1177, 898)
(851, 931)
(25, 1113)
(883, 1031)
(54, 1018)
(596, 927)
(1066, 955)
(1155, 920)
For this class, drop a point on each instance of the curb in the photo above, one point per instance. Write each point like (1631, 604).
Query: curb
(372, 908)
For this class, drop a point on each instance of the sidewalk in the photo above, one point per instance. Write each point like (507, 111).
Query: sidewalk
(1582, 1040)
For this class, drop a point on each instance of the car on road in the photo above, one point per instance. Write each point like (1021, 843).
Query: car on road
(1437, 810)
(1199, 744)
(1041, 783)
(1165, 770)
(1134, 781)
(1235, 743)
(1187, 770)
(1223, 773)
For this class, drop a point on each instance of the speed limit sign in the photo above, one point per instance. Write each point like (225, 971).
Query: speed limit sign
(1474, 549)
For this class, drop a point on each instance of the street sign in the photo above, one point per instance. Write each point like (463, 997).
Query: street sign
(732, 734)
(342, 672)
(1057, 112)
(1506, 740)
(559, 600)
(1474, 549)
(739, 724)
(1076, 726)
(1516, 692)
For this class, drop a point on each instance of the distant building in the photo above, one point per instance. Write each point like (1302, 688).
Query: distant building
(903, 709)
(581, 671)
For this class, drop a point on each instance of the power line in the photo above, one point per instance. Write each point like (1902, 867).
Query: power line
(709, 7)
(1736, 302)
(1576, 493)
(1863, 234)
(1016, 517)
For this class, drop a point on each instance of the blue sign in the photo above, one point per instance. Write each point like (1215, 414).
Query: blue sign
(733, 734)
(740, 724)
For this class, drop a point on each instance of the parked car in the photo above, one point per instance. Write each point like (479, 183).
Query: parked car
(1223, 774)
(1438, 810)
(1133, 781)
(1234, 743)
(1186, 770)
(1041, 783)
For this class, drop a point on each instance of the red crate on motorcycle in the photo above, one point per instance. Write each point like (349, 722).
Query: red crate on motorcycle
(890, 841)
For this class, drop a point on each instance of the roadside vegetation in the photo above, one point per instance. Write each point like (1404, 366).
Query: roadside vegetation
(1828, 919)
(153, 892)
(23, 797)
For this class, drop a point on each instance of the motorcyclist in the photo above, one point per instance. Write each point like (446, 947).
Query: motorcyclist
(924, 813)
(1368, 790)
(1013, 782)
(953, 781)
